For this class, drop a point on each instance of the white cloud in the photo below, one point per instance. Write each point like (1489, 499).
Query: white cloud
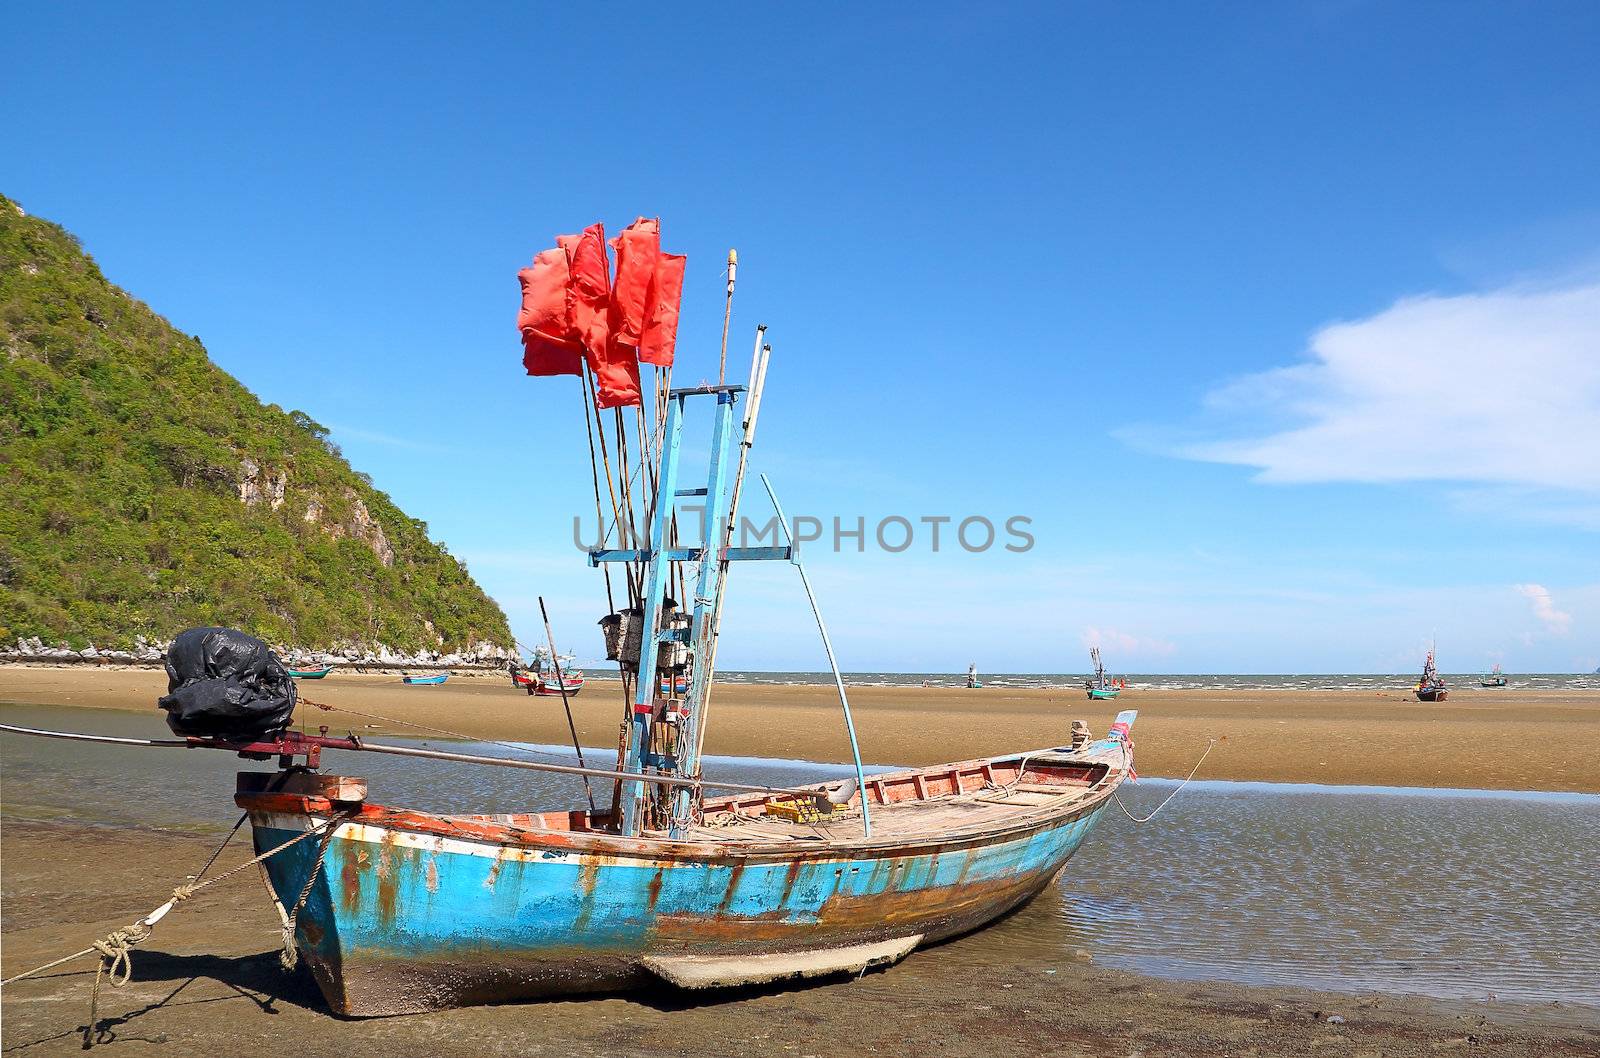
(1117, 643)
(1500, 388)
(1558, 622)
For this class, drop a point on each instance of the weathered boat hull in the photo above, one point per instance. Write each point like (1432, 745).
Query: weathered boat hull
(1432, 694)
(402, 920)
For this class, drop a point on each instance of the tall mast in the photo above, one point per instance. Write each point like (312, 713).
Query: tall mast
(649, 708)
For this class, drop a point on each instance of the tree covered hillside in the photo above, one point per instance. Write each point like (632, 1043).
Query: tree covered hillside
(143, 490)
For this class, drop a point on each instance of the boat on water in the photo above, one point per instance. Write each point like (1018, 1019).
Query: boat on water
(1493, 678)
(973, 683)
(397, 910)
(1430, 685)
(1099, 686)
(425, 681)
(311, 674)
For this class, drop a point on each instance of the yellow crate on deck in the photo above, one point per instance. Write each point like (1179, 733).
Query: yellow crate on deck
(799, 811)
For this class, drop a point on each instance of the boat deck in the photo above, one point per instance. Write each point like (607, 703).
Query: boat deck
(944, 801)
(944, 815)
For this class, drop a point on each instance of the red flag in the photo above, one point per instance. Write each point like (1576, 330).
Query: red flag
(660, 336)
(637, 248)
(616, 369)
(545, 317)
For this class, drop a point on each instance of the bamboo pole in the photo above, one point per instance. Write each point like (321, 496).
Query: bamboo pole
(561, 683)
(727, 317)
(758, 379)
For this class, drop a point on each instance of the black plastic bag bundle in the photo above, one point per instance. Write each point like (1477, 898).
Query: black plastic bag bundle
(225, 684)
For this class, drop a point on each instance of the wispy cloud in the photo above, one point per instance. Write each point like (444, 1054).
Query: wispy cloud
(1558, 622)
(1126, 645)
(391, 441)
(1492, 389)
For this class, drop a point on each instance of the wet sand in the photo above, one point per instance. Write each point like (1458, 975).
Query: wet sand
(1480, 738)
(208, 982)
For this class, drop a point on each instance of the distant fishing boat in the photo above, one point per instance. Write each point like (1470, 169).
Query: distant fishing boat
(311, 674)
(547, 677)
(546, 683)
(1100, 688)
(1493, 678)
(425, 681)
(1430, 685)
(973, 683)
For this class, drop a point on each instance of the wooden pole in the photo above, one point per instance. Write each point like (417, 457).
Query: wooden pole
(594, 475)
(727, 317)
(561, 682)
(758, 379)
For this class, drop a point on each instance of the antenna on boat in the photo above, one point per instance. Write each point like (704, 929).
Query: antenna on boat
(827, 646)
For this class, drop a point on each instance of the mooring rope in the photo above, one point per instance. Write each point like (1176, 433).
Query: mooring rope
(290, 955)
(437, 730)
(115, 948)
(1116, 795)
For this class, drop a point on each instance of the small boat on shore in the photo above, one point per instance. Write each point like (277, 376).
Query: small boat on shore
(1430, 685)
(425, 681)
(430, 911)
(311, 674)
(542, 683)
(1493, 678)
(1098, 686)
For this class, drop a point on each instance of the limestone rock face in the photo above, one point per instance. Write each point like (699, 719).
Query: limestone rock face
(259, 486)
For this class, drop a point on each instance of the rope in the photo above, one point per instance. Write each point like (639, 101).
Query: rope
(1116, 795)
(290, 955)
(115, 948)
(436, 730)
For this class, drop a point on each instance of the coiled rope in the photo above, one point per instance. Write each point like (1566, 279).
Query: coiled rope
(1116, 795)
(115, 948)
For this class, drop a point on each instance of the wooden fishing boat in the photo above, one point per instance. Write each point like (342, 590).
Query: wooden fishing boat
(397, 910)
(1493, 678)
(1099, 687)
(1430, 685)
(544, 683)
(413, 911)
(311, 674)
(425, 681)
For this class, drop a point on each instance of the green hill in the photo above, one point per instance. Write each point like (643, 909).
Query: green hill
(143, 490)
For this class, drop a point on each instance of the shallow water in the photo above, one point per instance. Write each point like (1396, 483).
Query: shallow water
(1453, 894)
(1400, 682)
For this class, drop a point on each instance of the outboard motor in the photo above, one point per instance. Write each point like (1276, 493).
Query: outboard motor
(224, 684)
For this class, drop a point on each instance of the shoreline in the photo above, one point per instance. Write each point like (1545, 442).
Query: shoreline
(1534, 740)
(208, 982)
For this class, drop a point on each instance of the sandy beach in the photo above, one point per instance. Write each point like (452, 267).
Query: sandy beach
(1487, 739)
(208, 982)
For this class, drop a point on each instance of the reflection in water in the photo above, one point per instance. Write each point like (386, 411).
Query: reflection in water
(1451, 895)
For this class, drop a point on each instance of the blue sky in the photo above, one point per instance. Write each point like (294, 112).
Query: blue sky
(1279, 321)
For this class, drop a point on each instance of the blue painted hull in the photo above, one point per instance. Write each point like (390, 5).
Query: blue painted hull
(405, 918)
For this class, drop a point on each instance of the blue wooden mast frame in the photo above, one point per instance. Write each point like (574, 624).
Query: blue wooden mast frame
(713, 557)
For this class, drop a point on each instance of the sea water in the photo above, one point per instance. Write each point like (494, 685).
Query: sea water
(1453, 894)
